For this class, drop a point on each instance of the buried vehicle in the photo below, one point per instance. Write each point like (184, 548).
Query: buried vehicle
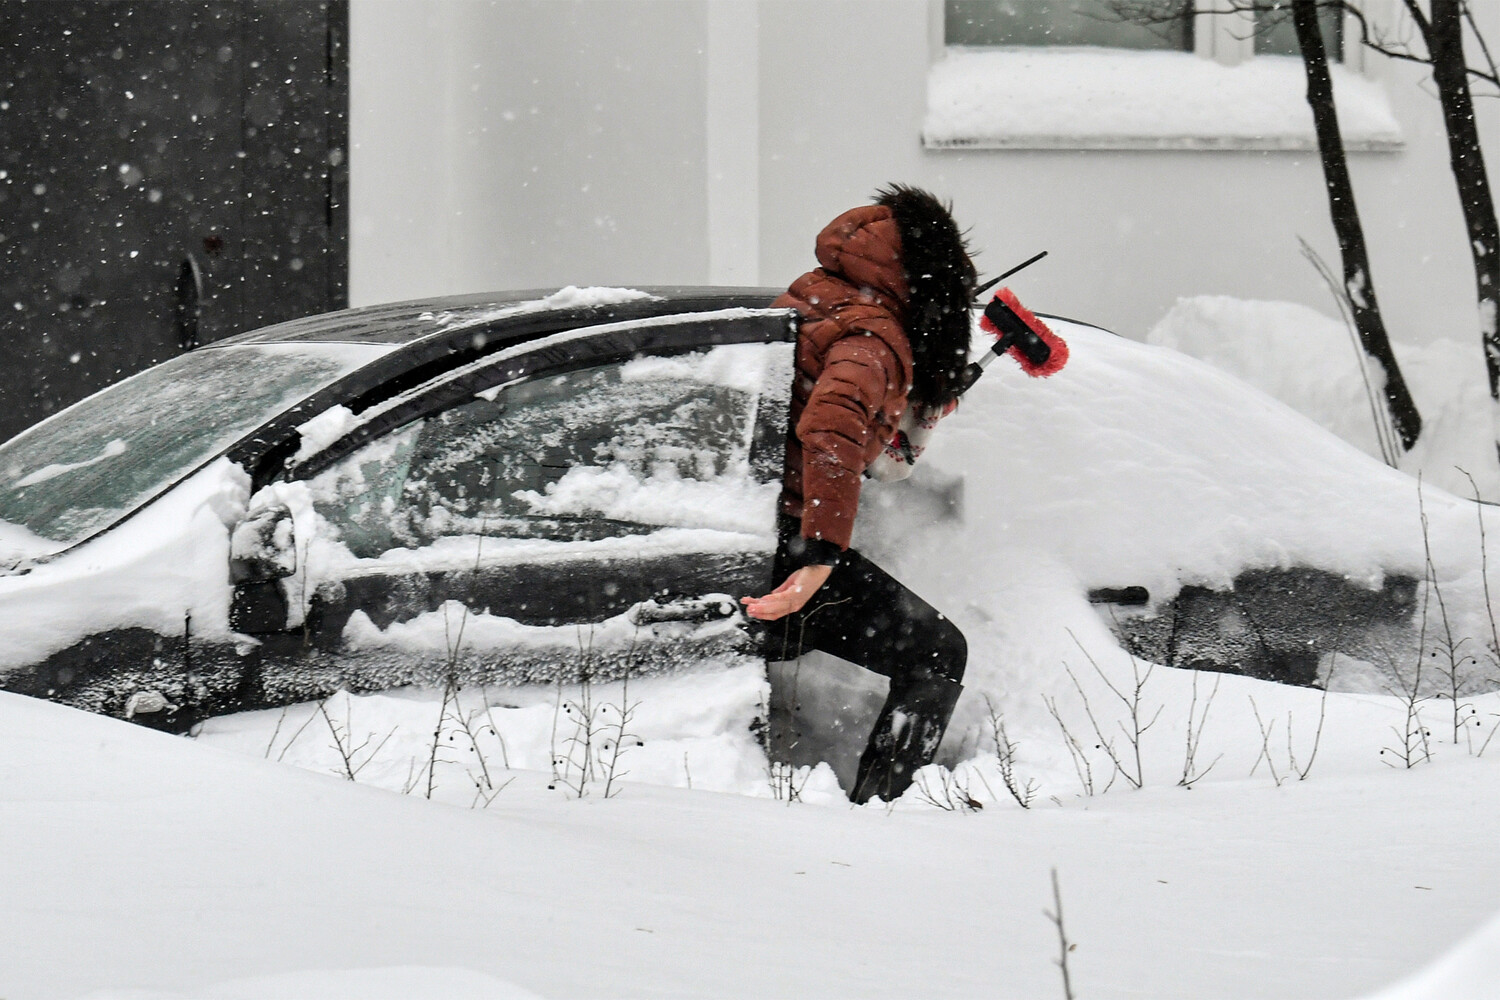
(354, 500)
(501, 489)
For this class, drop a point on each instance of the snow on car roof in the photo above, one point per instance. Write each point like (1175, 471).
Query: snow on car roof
(530, 312)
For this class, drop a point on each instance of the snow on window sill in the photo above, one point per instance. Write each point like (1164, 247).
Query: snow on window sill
(1093, 98)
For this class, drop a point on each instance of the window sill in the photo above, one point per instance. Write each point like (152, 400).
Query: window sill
(1088, 98)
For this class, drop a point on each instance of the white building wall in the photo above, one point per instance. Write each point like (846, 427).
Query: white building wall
(525, 144)
(842, 100)
(511, 144)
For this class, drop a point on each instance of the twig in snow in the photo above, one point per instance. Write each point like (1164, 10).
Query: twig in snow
(1484, 570)
(1265, 745)
(1081, 764)
(1486, 744)
(343, 741)
(275, 733)
(1065, 947)
(305, 723)
(1005, 758)
(1385, 430)
(1132, 702)
(950, 795)
(1291, 753)
(1190, 772)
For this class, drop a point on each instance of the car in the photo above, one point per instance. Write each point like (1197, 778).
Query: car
(481, 486)
(497, 489)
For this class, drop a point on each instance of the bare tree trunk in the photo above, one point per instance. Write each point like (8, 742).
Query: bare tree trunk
(1346, 225)
(1444, 34)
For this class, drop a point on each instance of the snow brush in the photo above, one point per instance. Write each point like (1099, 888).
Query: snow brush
(1018, 332)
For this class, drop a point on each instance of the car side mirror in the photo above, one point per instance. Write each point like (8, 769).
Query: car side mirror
(263, 547)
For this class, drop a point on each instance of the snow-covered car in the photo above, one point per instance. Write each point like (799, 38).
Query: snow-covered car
(484, 487)
(519, 488)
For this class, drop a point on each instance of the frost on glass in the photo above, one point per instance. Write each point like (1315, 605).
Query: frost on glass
(85, 468)
(362, 495)
(616, 449)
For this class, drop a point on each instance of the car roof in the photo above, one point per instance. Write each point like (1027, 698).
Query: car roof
(525, 313)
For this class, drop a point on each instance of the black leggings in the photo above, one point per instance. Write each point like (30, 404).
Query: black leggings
(864, 615)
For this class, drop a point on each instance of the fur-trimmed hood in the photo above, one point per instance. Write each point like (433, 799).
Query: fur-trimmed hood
(940, 279)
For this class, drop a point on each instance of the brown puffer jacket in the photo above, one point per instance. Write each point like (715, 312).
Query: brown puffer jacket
(854, 370)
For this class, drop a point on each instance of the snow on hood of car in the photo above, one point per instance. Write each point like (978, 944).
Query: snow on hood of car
(18, 547)
(569, 297)
(167, 564)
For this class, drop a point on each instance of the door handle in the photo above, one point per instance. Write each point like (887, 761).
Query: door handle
(708, 608)
(188, 308)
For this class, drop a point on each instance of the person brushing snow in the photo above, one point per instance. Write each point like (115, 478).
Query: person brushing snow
(881, 356)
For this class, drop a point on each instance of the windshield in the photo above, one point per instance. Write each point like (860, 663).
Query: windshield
(85, 468)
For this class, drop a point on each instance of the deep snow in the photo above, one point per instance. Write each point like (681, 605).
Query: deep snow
(136, 861)
(188, 870)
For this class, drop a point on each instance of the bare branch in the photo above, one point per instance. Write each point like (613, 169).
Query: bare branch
(1484, 49)
(1265, 745)
(1064, 946)
(1190, 774)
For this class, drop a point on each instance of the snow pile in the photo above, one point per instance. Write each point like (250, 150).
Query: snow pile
(1469, 970)
(573, 297)
(323, 430)
(18, 545)
(1309, 361)
(168, 563)
(285, 883)
(1060, 97)
(1138, 465)
(697, 730)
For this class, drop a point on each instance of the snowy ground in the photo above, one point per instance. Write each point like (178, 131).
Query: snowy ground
(142, 865)
(136, 861)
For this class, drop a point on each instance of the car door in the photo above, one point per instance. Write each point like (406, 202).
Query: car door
(593, 505)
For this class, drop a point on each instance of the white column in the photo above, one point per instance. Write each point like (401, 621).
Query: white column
(733, 141)
(1226, 38)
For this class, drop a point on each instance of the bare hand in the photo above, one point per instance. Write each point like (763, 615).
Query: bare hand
(790, 596)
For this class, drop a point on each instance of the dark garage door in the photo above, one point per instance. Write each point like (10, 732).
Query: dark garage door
(171, 172)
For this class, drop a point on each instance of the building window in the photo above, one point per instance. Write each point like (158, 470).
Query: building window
(1060, 22)
(1074, 74)
(1275, 35)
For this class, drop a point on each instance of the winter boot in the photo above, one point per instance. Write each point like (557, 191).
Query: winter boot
(905, 737)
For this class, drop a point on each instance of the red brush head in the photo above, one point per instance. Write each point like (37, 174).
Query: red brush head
(1005, 317)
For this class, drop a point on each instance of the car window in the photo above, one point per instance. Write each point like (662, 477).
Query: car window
(85, 468)
(612, 449)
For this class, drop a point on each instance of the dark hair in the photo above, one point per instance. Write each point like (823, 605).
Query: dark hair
(941, 278)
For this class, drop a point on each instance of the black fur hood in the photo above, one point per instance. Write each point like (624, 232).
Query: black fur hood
(941, 278)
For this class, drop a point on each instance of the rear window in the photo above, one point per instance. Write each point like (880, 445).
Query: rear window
(81, 470)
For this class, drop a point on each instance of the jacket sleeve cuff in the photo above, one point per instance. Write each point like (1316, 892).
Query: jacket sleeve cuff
(812, 552)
